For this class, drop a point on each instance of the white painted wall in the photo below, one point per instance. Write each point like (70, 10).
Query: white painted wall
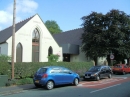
(78, 58)
(4, 49)
(24, 36)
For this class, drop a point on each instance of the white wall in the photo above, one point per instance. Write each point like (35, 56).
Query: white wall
(24, 36)
(78, 58)
(4, 49)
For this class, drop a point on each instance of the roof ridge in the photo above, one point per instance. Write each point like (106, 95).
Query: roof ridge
(72, 29)
(18, 23)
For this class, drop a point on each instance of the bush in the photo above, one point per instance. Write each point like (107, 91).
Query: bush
(5, 58)
(53, 58)
(24, 81)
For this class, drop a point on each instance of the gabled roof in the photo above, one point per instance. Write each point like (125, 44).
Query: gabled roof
(7, 33)
(69, 37)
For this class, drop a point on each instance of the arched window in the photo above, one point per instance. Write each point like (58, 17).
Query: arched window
(19, 51)
(35, 45)
(50, 51)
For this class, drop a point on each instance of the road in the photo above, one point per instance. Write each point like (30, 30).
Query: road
(117, 86)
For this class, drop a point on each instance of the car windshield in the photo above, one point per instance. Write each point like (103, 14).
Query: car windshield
(94, 69)
(42, 70)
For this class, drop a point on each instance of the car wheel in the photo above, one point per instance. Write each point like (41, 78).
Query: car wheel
(76, 81)
(97, 78)
(123, 72)
(109, 76)
(50, 85)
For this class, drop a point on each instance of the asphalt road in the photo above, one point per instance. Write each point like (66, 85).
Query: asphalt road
(118, 86)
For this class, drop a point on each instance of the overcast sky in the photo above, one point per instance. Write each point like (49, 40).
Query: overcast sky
(67, 13)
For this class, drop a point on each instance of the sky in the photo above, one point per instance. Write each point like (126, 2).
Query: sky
(66, 13)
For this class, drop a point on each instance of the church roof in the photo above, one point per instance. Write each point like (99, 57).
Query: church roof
(69, 37)
(7, 33)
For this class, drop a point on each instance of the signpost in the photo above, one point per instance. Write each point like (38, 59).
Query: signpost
(111, 57)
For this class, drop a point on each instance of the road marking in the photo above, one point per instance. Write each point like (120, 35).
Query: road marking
(105, 88)
(102, 82)
(121, 77)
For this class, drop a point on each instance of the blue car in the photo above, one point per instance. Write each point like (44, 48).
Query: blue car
(51, 76)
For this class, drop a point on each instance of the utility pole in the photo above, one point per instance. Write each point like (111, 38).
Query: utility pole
(13, 38)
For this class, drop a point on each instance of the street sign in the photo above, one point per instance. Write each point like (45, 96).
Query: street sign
(111, 56)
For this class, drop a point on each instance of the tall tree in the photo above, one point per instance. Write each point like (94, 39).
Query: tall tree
(106, 33)
(92, 42)
(53, 27)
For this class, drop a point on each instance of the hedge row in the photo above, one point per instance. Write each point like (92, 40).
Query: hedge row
(27, 70)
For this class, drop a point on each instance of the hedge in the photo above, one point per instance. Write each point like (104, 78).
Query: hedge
(27, 69)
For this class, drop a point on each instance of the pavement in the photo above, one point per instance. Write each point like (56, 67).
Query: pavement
(11, 89)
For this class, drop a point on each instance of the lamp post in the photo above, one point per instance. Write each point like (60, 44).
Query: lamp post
(13, 38)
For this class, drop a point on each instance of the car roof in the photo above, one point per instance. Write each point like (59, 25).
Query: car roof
(120, 64)
(101, 66)
(53, 67)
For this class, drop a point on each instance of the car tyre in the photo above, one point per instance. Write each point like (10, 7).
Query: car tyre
(109, 76)
(97, 78)
(50, 85)
(76, 81)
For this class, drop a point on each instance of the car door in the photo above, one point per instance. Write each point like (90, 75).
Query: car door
(108, 71)
(126, 69)
(103, 72)
(68, 75)
(56, 75)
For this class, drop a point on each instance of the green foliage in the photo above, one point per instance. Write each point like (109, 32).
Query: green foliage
(24, 81)
(5, 58)
(106, 33)
(24, 72)
(53, 27)
(11, 82)
(53, 58)
(27, 70)
(19, 81)
(5, 69)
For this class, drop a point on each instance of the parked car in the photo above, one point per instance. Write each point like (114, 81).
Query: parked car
(98, 72)
(55, 75)
(121, 68)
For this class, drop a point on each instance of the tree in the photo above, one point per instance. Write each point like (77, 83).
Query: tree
(106, 33)
(92, 42)
(118, 34)
(53, 27)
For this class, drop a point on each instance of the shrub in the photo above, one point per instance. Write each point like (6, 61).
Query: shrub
(53, 58)
(5, 58)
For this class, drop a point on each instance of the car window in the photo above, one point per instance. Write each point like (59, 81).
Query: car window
(55, 70)
(94, 69)
(64, 70)
(118, 66)
(103, 69)
(42, 70)
(125, 66)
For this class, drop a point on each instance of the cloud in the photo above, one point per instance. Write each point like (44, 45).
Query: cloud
(24, 8)
(5, 17)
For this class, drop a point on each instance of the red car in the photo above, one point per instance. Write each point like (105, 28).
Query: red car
(121, 68)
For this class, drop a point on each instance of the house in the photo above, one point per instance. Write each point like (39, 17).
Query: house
(71, 42)
(33, 41)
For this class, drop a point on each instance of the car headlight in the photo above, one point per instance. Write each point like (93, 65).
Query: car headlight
(94, 74)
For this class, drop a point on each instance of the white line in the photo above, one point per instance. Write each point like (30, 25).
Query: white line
(121, 77)
(114, 80)
(104, 88)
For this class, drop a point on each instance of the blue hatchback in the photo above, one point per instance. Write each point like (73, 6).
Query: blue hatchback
(55, 75)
